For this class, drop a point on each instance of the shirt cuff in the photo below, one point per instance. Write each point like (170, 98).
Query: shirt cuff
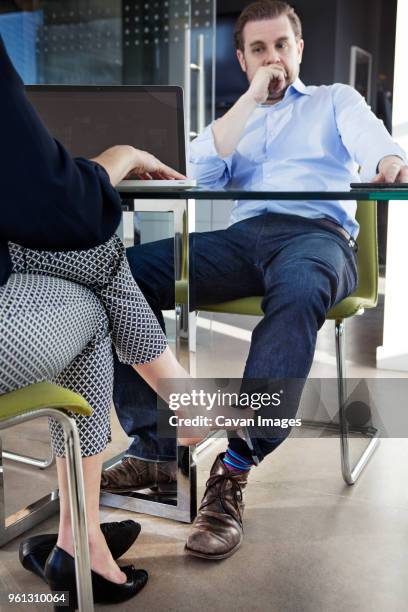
(203, 150)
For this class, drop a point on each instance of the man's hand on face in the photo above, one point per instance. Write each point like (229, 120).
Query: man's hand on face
(146, 166)
(391, 169)
(268, 82)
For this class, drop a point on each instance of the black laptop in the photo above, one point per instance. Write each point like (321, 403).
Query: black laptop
(89, 119)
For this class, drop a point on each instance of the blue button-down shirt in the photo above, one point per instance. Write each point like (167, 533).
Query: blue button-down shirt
(314, 139)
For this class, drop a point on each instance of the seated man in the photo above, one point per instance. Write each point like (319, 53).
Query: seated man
(280, 134)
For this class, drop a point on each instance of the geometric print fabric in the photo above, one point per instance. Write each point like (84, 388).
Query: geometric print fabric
(59, 312)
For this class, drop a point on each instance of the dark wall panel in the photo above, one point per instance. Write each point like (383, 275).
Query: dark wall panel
(319, 31)
(357, 23)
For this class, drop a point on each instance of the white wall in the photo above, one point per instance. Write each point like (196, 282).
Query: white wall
(393, 354)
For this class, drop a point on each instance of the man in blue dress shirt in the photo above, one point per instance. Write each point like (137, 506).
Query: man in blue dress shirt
(300, 255)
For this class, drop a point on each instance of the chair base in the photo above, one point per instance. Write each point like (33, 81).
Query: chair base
(25, 518)
(370, 433)
(351, 477)
(42, 464)
(350, 474)
(13, 526)
(28, 517)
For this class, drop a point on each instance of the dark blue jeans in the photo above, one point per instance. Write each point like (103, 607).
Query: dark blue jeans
(300, 266)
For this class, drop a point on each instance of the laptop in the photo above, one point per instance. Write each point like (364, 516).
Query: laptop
(89, 119)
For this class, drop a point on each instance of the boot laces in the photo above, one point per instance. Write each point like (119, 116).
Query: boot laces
(219, 492)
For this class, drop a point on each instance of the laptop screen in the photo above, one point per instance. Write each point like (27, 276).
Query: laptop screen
(89, 119)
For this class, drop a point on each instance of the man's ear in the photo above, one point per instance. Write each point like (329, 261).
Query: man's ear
(300, 47)
(241, 60)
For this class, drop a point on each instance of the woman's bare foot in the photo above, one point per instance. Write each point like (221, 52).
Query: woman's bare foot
(101, 558)
(102, 561)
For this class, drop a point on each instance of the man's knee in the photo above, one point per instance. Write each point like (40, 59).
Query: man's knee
(309, 286)
(152, 267)
(146, 260)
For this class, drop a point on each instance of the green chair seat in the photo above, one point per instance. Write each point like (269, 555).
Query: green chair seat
(41, 395)
(252, 306)
(242, 306)
(350, 306)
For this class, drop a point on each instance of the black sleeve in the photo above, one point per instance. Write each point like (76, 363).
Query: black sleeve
(47, 199)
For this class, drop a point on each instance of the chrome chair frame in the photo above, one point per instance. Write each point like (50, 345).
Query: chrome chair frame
(11, 527)
(42, 464)
(350, 474)
(368, 299)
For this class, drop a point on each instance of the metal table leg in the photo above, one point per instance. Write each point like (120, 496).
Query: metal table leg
(184, 506)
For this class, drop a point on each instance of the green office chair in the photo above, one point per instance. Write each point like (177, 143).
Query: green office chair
(48, 400)
(365, 296)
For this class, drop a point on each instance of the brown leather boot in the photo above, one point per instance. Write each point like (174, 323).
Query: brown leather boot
(217, 532)
(133, 474)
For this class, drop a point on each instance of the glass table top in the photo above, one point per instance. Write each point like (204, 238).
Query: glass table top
(199, 193)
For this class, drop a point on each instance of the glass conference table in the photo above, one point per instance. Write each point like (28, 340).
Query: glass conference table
(180, 202)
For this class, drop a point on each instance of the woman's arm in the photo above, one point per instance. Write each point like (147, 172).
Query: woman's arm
(48, 200)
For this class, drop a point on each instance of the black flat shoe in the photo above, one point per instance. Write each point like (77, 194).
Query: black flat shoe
(60, 574)
(34, 551)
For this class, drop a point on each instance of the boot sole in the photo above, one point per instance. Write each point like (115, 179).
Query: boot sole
(195, 553)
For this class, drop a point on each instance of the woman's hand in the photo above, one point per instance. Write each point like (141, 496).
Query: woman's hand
(147, 166)
(124, 161)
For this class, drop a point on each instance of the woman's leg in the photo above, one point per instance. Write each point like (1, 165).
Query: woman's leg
(44, 324)
(52, 329)
(91, 375)
(135, 330)
(136, 333)
(102, 561)
(165, 366)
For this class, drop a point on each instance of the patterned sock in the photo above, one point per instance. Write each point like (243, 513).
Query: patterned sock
(234, 461)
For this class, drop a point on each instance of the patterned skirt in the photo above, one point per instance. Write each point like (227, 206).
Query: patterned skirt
(59, 314)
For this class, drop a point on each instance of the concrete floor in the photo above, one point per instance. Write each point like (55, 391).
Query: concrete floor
(311, 542)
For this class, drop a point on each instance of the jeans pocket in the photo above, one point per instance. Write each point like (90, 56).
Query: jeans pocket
(352, 271)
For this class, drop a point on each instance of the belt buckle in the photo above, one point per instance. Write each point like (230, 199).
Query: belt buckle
(348, 237)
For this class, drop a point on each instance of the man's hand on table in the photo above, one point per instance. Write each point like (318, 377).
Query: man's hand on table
(391, 169)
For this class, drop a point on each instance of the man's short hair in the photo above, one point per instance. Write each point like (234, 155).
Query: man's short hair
(265, 9)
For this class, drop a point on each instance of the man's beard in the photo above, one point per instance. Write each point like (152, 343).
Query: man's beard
(277, 95)
(274, 96)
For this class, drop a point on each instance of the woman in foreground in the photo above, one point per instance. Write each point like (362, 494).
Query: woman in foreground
(54, 304)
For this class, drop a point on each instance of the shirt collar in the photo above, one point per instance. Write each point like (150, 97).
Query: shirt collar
(300, 87)
(297, 86)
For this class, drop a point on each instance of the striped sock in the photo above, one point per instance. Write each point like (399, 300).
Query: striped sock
(234, 461)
